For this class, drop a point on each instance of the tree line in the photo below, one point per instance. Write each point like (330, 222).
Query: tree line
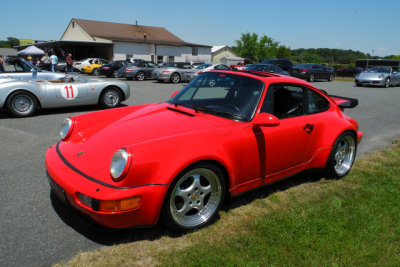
(256, 49)
(11, 42)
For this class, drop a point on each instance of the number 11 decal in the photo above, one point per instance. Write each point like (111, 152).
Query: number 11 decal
(69, 92)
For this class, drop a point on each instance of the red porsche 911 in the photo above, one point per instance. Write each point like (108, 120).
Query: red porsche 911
(225, 133)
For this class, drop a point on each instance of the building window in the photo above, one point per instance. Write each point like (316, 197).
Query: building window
(160, 59)
(171, 59)
(195, 51)
(129, 56)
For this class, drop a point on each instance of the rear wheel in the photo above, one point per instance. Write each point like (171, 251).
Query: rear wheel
(110, 98)
(194, 197)
(342, 156)
(311, 78)
(96, 72)
(175, 78)
(21, 104)
(115, 74)
(331, 78)
(140, 76)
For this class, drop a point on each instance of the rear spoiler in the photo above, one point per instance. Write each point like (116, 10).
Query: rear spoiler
(344, 102)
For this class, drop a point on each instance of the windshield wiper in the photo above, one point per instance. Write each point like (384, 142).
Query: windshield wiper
(217, 112)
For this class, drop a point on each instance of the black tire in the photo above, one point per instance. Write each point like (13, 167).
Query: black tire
(358, 84)
(175, 78)
(21, 104)
(110, 98)
(140, 76)
(194, 197)
(342, 156)
(115, 74)
(387, 83)
(331, 77)
(311, 78)
(96, 72)
(129, 78)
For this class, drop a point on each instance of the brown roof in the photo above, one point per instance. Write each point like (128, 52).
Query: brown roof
(129, 33)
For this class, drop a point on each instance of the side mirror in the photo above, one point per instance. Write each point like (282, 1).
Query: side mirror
(265, 120)
(177, 91)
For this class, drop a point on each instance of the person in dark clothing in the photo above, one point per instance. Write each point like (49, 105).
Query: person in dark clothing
(1, 65)
(69, 62)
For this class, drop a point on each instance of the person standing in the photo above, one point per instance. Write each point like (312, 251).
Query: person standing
(1, 65)
(46, 62)
(69, 61)
(54, 61)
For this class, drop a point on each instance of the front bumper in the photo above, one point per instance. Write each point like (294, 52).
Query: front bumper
(374, 82)
(87, 71)
(67, 184)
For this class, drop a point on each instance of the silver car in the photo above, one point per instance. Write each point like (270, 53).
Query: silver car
(191, 74)
(173, 72)
(23, 69)
(378, 76)
(21, 97)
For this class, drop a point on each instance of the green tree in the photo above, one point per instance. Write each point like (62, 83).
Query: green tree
(13, 41)
(254, 48)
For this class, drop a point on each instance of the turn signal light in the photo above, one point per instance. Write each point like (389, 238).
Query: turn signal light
(119, 205)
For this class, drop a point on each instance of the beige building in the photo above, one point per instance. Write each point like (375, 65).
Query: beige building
(121, 41)
(224, 54)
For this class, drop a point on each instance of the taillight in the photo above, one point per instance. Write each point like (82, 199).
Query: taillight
(78, 63)
(166, 71)
(106, 68)
(200, 72)
(303, 70)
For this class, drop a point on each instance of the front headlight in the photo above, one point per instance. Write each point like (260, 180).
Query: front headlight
(66, 128)
(120, 163)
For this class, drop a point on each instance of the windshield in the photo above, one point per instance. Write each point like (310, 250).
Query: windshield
(226, 95)
(203, 66)
(379, 70)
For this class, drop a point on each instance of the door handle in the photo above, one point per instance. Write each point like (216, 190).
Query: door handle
(308, 128)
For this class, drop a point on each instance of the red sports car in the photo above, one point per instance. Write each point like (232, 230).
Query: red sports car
(223, 134)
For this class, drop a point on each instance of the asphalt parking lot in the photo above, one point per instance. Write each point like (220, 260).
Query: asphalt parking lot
(36, 230)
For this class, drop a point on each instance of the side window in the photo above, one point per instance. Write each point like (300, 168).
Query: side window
(284, 101)
(221, 67)
(316, 102)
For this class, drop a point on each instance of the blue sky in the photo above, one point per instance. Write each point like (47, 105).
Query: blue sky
(364, 25)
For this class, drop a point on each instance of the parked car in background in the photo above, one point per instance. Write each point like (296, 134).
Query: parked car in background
(94, 67)
(173, 72)
(223, 134)
(283, 63)
(378, 76)
(312, 72)
(62, 65)
(191, 74)
(111, 69)
(237, 66)
(22, 97)
(348, 71)
(139, 70)
(266, 68)
(23, 69)
(84, 62)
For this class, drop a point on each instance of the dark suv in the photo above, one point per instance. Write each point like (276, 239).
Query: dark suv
(285, 64)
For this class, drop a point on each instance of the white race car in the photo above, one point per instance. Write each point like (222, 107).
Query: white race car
(21, 97)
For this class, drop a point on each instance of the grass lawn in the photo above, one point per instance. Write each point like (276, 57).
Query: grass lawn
(302, 221)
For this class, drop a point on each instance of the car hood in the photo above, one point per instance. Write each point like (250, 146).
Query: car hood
(92, 145)
(371, 75)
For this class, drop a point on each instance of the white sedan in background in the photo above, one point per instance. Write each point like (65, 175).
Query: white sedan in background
(193, 73)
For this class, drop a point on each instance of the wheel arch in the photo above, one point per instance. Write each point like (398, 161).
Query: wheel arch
(121, 92)
(39, 103)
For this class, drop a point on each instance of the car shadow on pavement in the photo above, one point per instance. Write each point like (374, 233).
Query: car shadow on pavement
(109, 237)
(106, 236)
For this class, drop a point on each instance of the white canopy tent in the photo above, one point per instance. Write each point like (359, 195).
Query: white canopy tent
(31, 50)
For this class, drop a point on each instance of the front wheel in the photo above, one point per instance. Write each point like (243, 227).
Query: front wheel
(194, 197)
(342, 156)
(110, 98)
(21, 104)
(387, 83)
